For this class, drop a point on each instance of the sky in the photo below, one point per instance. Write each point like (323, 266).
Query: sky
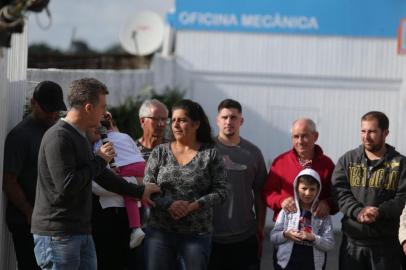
(98, 22)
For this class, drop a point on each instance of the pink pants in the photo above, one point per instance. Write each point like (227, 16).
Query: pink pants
(137, 170)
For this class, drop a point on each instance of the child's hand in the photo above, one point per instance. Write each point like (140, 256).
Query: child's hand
(293, 235)
(306, 236)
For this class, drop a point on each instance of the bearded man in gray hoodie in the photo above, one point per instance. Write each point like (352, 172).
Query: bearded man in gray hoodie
(369, 185)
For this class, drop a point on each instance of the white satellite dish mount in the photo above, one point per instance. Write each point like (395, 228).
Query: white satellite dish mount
(143, 34)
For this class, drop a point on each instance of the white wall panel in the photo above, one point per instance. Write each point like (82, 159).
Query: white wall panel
(278, 78)
(289, 54)
(270, 105)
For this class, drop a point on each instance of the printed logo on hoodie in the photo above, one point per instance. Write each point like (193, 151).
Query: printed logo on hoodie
(385, 177)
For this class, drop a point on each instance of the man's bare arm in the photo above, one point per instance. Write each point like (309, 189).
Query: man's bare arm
(15, 194)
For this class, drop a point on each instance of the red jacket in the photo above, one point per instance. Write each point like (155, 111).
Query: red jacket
(279, 184)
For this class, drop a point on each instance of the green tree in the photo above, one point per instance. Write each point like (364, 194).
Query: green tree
(114, 49)
(80, 47)
(43, 48)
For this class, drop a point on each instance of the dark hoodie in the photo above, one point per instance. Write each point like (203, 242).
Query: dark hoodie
(384, 186)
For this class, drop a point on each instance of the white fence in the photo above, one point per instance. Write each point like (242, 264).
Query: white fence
(13, 88)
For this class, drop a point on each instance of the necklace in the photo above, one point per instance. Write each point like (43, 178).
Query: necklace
(305, 163)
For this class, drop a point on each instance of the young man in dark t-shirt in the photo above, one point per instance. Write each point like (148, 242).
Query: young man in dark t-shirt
(237, 229)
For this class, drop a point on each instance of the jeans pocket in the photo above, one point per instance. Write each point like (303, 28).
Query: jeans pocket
(42, 250)
(65, 248)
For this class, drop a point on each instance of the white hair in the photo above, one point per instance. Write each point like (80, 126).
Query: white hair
(310, 123)
(145, 109)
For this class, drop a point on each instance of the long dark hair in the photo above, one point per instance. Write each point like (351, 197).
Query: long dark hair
(195, 112)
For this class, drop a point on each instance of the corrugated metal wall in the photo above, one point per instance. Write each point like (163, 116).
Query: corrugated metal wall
(278, 78)
(13, 63)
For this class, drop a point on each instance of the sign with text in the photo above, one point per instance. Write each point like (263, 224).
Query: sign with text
(373, 18)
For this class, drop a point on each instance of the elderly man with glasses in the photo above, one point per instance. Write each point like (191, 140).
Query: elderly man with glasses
(153, 118)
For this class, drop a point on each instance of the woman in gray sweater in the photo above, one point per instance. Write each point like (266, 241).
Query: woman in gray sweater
(192, 180)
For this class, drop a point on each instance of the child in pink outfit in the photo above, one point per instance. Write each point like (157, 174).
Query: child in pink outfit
(130, 164)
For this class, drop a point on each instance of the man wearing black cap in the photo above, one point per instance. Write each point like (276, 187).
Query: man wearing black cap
(20, 167)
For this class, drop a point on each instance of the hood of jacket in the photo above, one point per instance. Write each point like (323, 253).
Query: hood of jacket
(362, 157)
(313, 174)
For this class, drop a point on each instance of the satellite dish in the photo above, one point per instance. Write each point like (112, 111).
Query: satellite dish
(143, 34)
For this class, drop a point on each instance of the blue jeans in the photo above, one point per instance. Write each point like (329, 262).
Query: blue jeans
(68, 252)
(169, 250)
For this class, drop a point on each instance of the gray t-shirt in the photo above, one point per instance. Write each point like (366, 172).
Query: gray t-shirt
(235, 220)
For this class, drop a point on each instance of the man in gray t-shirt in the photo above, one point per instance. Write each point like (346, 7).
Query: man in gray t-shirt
(238, 230)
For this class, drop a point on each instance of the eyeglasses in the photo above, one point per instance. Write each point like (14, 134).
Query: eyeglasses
(158, 119)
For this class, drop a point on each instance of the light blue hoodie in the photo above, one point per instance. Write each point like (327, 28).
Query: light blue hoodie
(321, 228)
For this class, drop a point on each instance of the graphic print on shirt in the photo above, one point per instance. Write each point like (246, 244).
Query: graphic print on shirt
(233, 166)
(305, 225)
